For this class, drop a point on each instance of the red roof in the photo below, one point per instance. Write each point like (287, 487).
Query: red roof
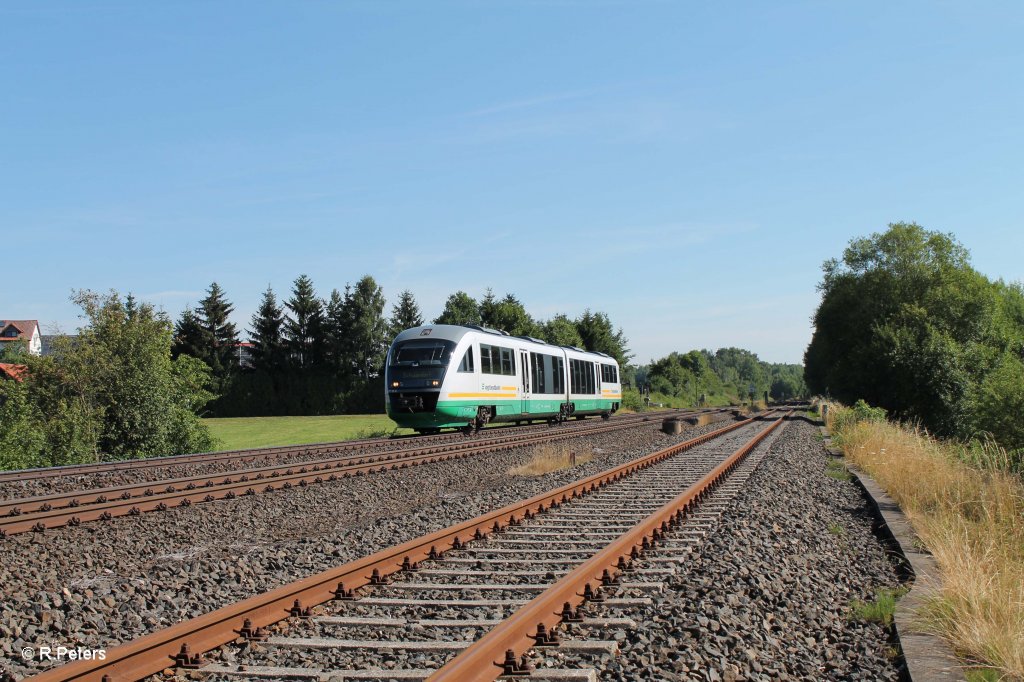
(16, 372)
(25, 328)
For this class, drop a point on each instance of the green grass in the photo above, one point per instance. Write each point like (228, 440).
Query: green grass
(982, 675)
(837, 470)
(881, 610)
(836, 529)
(256, 432)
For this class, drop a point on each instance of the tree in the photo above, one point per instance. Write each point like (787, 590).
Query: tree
(268, 348)
(220, 335)
(207, 333)
(304, 325)
(405, 314)
(907, 324)
(337, 333)
(368, 335)
(115, 391)
(460, 308)
(22, 442)
(561, 331)
(597, 334)
(188, 335)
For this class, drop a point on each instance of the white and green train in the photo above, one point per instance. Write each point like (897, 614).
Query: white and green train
(449, 376)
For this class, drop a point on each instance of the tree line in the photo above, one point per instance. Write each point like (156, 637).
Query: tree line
(312, 355)
(725, 375)
(112, 392)
(906, 323)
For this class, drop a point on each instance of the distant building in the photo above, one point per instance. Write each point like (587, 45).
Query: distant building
(23, 331)
(48, 340)
(15, 372)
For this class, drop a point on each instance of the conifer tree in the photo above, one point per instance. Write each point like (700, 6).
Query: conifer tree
(219, 334)
(489, 310)
(336, 327)
(268, 351)
(304, 325)
(368, 330)
(188, 335)
(405, 314)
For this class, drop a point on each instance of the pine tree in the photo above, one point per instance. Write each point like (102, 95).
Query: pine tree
(304, 325)
(268, 351)
(336, 326)
(405, 314)
(597, 334)
(368, 331)
(219, 333)
(489, 312)
(188, 335)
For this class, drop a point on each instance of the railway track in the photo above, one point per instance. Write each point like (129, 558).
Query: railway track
(39, 513)
(249, 455)
(485, 591)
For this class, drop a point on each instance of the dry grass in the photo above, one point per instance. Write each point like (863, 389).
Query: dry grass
(972, 520)
(548, 458)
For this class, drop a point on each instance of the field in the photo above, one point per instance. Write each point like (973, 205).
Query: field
(254, 432)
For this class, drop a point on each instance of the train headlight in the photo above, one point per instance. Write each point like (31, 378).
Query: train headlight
(435, 382)
(395, 384)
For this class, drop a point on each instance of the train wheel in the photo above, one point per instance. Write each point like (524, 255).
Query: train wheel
(483, 415)
(606, 416)
(468, 428)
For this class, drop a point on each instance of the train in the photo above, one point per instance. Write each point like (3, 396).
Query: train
(441, 376)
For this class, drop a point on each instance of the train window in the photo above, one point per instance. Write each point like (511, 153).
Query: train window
(537, 364)
(582, 377)
(467, 361)
(548, 373)
(422, 352)
(497, 360)
(610, 374)
(508, 362)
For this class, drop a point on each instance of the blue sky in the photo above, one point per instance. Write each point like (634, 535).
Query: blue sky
(684, 167)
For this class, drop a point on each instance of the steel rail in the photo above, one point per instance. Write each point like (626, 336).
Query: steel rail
(485, 659)
(64, 509)
(249, 454)
(182, 643)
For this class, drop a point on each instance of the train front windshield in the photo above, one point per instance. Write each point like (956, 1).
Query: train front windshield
(422, 352)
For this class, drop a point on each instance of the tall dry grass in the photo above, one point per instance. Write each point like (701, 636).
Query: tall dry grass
(971, 517)
(549, 457)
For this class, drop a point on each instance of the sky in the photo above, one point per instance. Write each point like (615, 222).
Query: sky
(684, 167)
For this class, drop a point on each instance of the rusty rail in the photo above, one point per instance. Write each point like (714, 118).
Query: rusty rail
(184, 642)
(486, 659)
(68, 509)
(245, 455)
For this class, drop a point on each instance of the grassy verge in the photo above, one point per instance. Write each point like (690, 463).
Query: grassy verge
(881, 610)
(256, 432)
(548, 458)
(969, 512)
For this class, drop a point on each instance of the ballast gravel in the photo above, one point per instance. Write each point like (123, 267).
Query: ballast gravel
(229, 462)
(769, 594)
(101, 584)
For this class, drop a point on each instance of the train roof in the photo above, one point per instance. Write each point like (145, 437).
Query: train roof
(455, 332)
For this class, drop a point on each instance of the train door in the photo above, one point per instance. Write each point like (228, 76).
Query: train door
(524, 363)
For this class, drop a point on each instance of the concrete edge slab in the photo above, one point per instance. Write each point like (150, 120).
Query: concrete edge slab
(927, 656)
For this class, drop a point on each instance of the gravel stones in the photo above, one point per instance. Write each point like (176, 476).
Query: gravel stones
(163, 567)
(768, 595)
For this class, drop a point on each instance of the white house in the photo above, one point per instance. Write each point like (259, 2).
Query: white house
(24, 331)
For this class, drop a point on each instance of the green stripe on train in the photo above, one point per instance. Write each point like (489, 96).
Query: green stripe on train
(455, 413)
